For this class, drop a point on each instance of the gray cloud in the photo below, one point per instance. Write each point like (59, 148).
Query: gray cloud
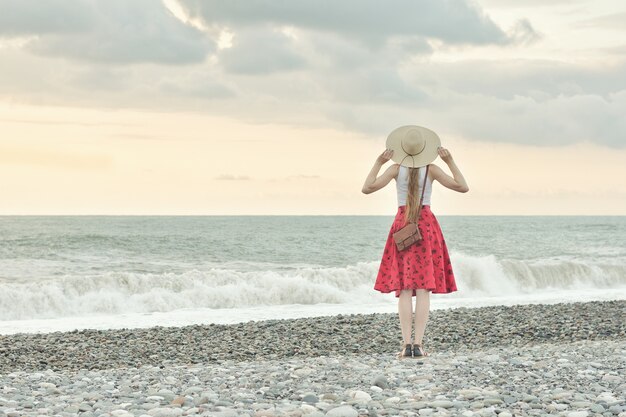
(36, 79)
(538, 79)
(260, 52)
(370, 21)
(528, 3)
(525, 101)
(524, 33)
(28, 17)
(325, 74)
(373, 85)
(115, 31)
(331, 51)
(557, 121)
(115, 79)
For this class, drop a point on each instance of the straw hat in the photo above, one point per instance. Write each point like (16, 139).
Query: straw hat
(413, 146)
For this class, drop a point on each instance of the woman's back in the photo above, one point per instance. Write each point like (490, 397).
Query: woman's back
(402, 185)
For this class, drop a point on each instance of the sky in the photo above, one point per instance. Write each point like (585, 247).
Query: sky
(203, 107)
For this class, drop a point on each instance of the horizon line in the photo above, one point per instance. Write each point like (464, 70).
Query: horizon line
(302, 215)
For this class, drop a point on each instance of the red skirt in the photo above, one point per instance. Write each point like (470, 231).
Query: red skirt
(425, 264)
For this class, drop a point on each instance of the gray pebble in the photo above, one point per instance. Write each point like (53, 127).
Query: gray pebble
(342, 411)
(501, 375)
(310, 398)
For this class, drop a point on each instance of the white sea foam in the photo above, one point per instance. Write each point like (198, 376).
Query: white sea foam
(185, 317)
(118, 293)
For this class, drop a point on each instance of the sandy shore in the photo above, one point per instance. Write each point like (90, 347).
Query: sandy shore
(561, 359)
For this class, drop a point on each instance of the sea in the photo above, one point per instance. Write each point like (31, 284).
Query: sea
(62, 273)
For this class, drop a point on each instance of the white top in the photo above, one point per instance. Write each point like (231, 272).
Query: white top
(402, 185)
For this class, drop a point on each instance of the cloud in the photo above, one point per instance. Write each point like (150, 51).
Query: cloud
(612, 21)
(39, 80)
(230, 177)
(370, 21)
(333, 52)
(373, 85)
(207, 88)
(115, 31)
(524, 33)
(260, 52)
(540, 79)
(556, 121)
(366, 67)
(29, 17)
(619, 51)
(528, 3)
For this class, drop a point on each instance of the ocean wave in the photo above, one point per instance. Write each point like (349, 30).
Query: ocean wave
(127, 292)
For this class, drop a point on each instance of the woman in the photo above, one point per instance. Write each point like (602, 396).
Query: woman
(424, 266)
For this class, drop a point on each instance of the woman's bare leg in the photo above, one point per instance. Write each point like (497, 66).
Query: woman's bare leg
(422, 308)
(405, 311)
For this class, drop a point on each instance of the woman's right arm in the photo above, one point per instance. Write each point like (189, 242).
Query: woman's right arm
(373, 182)
(457, 181)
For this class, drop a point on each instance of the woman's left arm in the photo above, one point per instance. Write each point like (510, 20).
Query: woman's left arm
(457, 181)
(374, 183)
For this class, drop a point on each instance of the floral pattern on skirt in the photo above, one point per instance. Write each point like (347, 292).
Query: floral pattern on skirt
(425, 264)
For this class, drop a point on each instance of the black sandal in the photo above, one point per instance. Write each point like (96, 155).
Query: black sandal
(419, 352)
(406, 352)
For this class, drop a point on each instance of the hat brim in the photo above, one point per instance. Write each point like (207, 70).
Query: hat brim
(428, 155)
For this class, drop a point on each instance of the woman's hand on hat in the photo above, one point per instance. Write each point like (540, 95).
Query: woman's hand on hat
(444, 154)
(385, 156)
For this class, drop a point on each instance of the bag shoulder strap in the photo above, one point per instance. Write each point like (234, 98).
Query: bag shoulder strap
(419, 208)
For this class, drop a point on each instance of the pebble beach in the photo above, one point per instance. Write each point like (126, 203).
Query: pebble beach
(565, 359)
